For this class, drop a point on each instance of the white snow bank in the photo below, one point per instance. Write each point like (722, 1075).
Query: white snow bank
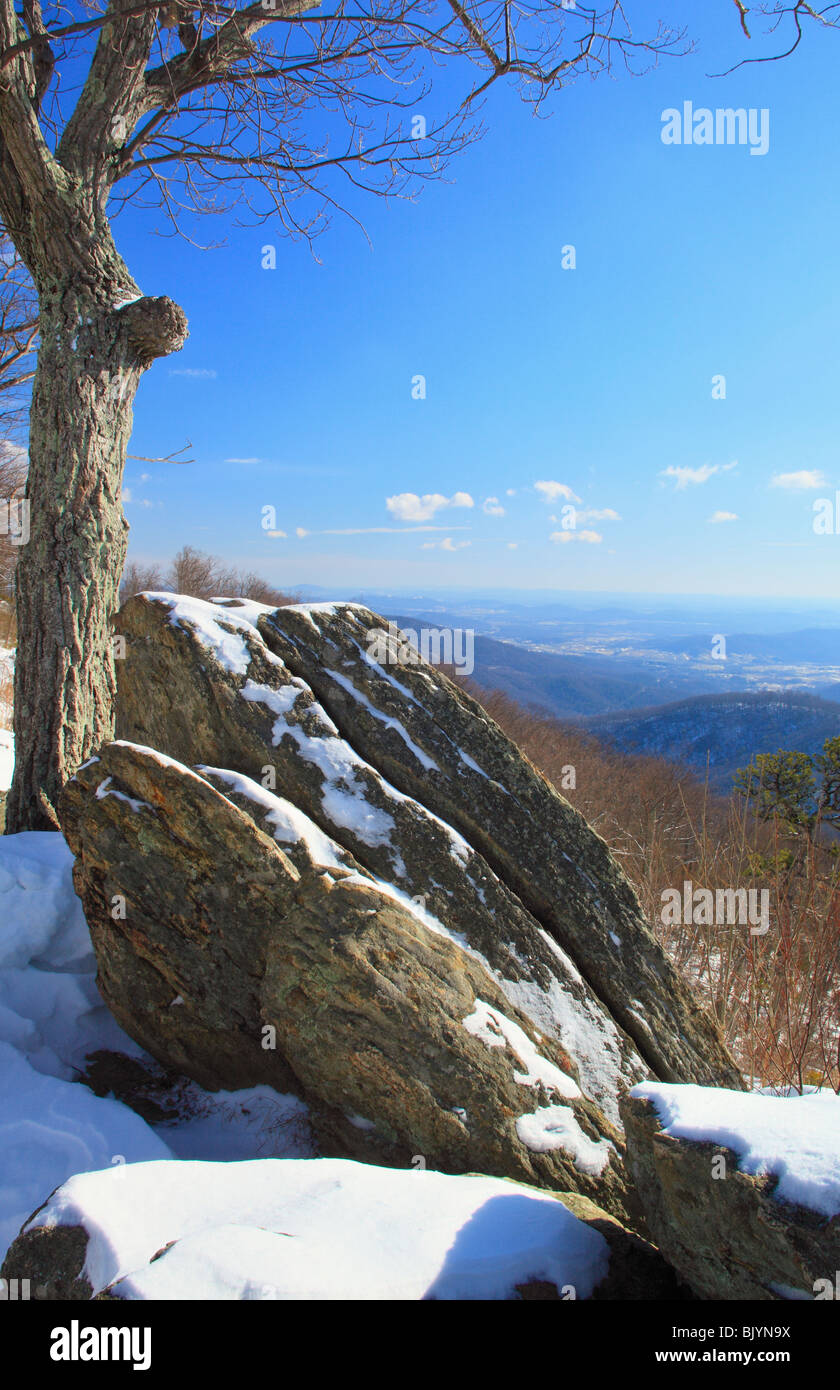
(322, 1229)
(793, 1138)
(51, 1129)
(52, 1016)
(38, 907)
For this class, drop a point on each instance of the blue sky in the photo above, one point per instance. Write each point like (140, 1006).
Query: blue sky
(691, 261)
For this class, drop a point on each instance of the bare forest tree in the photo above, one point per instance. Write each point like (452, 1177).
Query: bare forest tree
(18, 338)
(192, 108)
(12, 486)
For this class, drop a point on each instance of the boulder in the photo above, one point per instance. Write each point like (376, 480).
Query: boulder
(637, 1270)
(413, 779)
(239, 963)
(434, 742)
(199, 683)
(731, 1233)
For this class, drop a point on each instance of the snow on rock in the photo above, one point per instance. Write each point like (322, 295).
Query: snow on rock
(423, 758)
(793, 1138)
(292, 827)
(343, 794)
(317, 1229)
(495, 1030)
(555, 1127)
(218, 627)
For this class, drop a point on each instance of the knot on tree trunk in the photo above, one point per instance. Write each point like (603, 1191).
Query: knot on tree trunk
(154, 327)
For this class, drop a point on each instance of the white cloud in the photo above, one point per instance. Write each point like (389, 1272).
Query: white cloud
(376, 530)
(408, 506)
(584, 514)
(448, 544)
(806, 478)
(243, 460)
(513, 545)
(587, 537)
(129, 498)
(275, 534)
(550, 491)
(695, 476)
(722, 516)
(197, 373)
(301, 531)
(492, 507)
(510, 492)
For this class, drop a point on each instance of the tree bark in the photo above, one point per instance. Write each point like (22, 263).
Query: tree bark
(89, 366)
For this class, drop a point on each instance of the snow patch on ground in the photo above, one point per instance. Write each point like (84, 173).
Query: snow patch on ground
(52, 1017)
(282, 1229)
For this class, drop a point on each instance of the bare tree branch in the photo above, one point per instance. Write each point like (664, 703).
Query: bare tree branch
(167, 458)
(785, 16)
(18, 339)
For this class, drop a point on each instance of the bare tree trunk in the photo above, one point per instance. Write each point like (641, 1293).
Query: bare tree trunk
(89, 366)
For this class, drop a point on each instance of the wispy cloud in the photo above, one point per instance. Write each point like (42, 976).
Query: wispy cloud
(493, 507)
(722, 516)
(584, 514)
(447, 544)
(587, 537)
(374, 530)
(550, 491)
(130, 500)
(237, 460)
(806, 478)
(197, 373)
(693, 477)
(408, 506)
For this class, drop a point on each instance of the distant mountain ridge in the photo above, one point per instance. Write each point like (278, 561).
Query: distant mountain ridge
(811, 644)
(572, 687)
(722, 731)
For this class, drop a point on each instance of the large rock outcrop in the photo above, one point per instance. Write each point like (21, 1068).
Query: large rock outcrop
(433, 742)
(239, 964)
(732, 1234)
(412, 777)
(381, 906)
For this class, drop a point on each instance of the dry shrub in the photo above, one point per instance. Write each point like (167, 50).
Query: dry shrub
(204, 576)
(776, 996)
